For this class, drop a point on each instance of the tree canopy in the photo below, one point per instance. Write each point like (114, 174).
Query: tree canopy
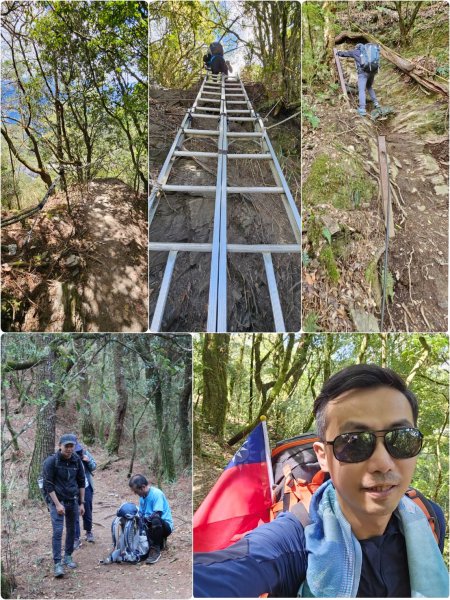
(74, 92)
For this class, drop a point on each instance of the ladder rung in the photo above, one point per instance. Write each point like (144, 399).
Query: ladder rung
(238, 110)
(274, 248)
(208, 189)
(202, 132)
(200, 154)
(212, 93)
(256, 156)
(179, 247)
(201, 116)
(233, 95)
(236, 101)
(255, 190)
(239, 119)
(229, 156)
(208, 109)
(244, 134)
(209, 101)
(189, 188)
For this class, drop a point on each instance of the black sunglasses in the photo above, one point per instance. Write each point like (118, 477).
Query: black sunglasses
(358, 446)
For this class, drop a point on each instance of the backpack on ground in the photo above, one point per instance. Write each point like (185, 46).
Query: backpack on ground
(129, 538)
(297, 475)
(370, 57)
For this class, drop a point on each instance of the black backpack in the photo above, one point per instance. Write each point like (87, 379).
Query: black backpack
(370, 57)
(216, 49)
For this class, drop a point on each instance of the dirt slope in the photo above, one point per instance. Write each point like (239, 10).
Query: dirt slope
(85, 272)
(417, 144)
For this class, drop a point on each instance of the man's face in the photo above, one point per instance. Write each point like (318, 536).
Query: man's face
(140, 491)
(67, 450)
(371, 489)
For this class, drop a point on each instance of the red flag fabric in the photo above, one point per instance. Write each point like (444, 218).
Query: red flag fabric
(240, 499)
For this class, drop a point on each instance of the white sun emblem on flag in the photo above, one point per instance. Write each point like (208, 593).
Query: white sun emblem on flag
(241, 455)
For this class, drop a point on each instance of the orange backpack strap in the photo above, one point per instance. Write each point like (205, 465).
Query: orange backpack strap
(425, 506)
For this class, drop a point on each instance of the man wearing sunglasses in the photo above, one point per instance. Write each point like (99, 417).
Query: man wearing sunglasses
(366, 537)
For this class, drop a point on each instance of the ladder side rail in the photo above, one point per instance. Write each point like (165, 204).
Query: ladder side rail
(222, 283)
(289, 204)
(211, 324)
(273, 292)
(163, 292)
(164, 173)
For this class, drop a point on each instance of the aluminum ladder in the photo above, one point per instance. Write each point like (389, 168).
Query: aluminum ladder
(218, 100)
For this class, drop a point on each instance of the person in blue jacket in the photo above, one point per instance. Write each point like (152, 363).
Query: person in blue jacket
(365, 80)
(366, 537)
(155, 509)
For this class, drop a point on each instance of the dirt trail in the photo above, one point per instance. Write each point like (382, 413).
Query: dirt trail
(92, 272)
(419, 166)
(170, 577)
(417, 145)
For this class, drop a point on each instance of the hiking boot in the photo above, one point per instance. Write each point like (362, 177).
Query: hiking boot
(362, 112)
(58, 570)
(76, 544)
(69, 562)
(90, 537)
(377, 105)
(154, 555)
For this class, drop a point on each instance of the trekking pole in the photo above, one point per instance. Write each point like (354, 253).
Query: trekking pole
(341, 75)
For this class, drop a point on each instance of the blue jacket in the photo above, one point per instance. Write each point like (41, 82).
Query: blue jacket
(271, 559)
(355, 54)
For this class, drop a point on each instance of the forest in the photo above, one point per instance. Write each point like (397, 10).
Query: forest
(238, 379)
(128, 400)
(368, 264)
(74, 163)
(261, 40)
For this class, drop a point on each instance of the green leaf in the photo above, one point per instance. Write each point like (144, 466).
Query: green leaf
(326, 234)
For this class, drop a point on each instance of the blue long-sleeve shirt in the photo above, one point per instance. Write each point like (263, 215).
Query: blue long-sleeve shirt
(355, 54)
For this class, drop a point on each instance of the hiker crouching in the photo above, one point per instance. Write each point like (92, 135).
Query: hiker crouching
(155, 510)
(366, 67)
(64, 482)
(365, 536)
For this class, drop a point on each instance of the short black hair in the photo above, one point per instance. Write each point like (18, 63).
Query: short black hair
(137, 481)
(359, 377)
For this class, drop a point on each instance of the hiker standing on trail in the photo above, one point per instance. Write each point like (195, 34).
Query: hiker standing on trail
(63, 484)
(89, 465)
(215, 61)
(366, 57)
(155, 510)
(365, 537)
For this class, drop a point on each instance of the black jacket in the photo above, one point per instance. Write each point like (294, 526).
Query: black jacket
(62, 476)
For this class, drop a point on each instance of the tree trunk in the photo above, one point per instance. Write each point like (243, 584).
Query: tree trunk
(122, 401)
(44, 443)
(215, 364)
(167, 462)
(183, 416)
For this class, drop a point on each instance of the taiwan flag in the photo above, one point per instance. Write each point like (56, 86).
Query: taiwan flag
(240, 499)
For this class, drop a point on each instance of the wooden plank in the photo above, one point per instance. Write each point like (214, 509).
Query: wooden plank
(384, 181)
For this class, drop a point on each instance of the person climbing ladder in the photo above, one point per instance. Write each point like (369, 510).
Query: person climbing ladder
(367, 61)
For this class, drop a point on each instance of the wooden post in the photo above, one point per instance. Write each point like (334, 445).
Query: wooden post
(384, 182)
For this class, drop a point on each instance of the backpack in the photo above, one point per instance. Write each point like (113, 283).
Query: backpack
(129, 539)
(216, 48)
(40, 479)
(370, 57)
(297, 475)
